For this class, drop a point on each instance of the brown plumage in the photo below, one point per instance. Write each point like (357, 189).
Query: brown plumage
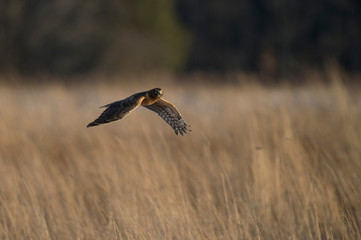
(152, 100)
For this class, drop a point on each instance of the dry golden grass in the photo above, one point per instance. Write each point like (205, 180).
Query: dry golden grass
(261, 163)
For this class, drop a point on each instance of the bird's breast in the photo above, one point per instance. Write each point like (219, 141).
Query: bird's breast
(149, 101)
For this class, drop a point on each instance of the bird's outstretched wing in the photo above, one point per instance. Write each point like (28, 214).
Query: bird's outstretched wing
(170, 114)
(116, 110)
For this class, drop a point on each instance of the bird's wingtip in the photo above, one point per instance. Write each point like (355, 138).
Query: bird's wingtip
(107, 105)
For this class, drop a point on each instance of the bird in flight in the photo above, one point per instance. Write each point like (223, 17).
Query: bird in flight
(152, 100)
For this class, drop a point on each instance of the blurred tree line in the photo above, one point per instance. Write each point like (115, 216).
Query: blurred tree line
(73, 36)
(277, 35)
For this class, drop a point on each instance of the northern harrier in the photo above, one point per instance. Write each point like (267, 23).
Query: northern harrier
(152, 100)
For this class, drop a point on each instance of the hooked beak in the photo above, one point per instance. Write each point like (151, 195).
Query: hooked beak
(160, 92)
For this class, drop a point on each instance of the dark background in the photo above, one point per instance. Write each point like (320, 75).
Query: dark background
(71, 37)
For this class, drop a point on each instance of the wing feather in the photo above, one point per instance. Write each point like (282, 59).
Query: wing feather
(170, 114)
(117, 110)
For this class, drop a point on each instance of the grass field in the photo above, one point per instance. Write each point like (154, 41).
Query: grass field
(261, 163)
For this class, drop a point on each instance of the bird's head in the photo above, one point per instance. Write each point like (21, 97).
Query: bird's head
(156, 92)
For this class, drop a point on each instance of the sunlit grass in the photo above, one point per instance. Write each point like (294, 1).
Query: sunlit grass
(260, 163)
